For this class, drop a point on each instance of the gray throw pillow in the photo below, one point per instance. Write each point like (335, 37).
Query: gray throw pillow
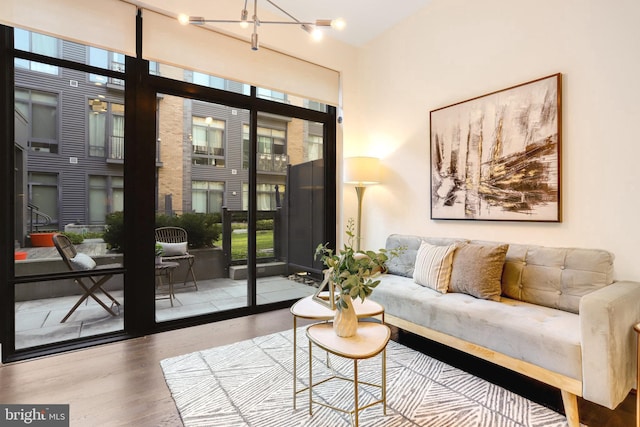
(477, 270)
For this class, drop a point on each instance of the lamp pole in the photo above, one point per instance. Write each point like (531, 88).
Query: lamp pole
(360, 192)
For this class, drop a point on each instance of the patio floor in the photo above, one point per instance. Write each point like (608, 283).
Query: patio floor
(38, 321)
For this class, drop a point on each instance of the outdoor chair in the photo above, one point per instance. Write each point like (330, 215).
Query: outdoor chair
(175, 247)
(78, 261)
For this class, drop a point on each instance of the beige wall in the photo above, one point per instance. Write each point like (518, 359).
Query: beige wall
(453, 50)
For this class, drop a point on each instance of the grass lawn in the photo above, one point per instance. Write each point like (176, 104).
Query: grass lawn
(239, 243)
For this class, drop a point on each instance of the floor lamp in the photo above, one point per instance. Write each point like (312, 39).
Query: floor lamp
(361, 171)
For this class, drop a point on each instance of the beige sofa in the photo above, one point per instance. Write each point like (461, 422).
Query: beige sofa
(561, 319)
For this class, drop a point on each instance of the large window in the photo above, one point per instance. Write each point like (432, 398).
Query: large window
(271, 95)
(106, 129)
(41, 111)
(207, 196)
(207, 80)
(107, 60)
(106, 195)
(208, 141)
(272, 150)
(36, 43)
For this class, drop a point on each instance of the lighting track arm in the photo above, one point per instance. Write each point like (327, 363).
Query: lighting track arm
(309, 27)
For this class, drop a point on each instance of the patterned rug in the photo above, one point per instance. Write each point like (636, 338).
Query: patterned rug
(250, 383)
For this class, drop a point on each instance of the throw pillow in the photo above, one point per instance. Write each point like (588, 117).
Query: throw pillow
(173, 249)
(82, 262)
(433, 266)
(477, 270)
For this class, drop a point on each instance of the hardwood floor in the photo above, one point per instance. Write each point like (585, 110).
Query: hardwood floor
(121, 384)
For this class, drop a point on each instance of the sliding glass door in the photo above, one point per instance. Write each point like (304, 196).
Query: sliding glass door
(183, 199)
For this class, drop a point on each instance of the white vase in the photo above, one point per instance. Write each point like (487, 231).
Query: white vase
(345, 321)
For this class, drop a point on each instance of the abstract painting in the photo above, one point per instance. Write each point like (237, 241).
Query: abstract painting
(497, 156)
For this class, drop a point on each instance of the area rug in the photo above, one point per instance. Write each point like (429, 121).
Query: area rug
(250, 383)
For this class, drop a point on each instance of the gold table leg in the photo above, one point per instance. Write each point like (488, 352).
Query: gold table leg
(637, 329)
(295, 362)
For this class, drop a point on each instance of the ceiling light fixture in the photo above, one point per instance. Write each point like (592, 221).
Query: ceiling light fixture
(313, 28)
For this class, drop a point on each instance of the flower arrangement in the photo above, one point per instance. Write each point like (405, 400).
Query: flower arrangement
(353, 272)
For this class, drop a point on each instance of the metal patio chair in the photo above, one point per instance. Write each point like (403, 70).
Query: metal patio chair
(174, 235)
(77, 261)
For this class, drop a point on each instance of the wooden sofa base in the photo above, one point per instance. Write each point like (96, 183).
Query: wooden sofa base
(569, 387)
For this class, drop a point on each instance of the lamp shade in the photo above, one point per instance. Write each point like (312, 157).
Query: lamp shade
(362, 170)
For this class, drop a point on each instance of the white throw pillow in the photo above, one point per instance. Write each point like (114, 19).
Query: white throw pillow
(173, 249)
(433, 266)
(83, 262)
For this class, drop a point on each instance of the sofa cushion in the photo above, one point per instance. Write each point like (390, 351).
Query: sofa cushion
(477, 270)
(555, 277)
(540, 335)
(433, 266)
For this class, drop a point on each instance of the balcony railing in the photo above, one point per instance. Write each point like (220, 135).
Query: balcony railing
(116, 148)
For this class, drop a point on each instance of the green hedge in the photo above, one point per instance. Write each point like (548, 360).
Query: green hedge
(202, 229)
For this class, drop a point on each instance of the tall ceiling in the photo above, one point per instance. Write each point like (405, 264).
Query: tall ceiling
(365, 19)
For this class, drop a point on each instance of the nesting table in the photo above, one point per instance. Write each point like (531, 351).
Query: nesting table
(370, 340)
(307, 308)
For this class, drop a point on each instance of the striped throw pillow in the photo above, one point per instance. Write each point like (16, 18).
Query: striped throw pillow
(433, 266)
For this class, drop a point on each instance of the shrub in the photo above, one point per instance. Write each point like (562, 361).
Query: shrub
(264, 224)
(202, 229)
(114, 231)
(75, 238)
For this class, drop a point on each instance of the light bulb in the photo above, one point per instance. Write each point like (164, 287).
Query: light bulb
(338, 24)
(243, 18)
(183, 19)
(316, 34)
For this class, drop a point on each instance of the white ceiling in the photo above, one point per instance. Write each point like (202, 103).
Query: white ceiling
(365, 19)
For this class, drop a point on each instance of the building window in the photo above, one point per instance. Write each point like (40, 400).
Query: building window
(107, 60)
(43, 201)
(314, 146)
(36, 43)
(41, 111)
(106, 129)
(272, 149)
(208, 141)
(207, 196)
(269, 196)
(106, 195)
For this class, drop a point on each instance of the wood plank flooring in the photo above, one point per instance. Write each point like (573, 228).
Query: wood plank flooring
(121, 384)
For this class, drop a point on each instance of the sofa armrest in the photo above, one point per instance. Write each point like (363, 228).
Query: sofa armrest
(607, 317)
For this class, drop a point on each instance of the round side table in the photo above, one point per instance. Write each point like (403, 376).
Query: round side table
(370, 340)
(307, 308)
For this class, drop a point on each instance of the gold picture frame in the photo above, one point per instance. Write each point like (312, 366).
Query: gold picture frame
(497, 157)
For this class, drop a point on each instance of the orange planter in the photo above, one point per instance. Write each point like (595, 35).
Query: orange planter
(42, 239)
(20, 255)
